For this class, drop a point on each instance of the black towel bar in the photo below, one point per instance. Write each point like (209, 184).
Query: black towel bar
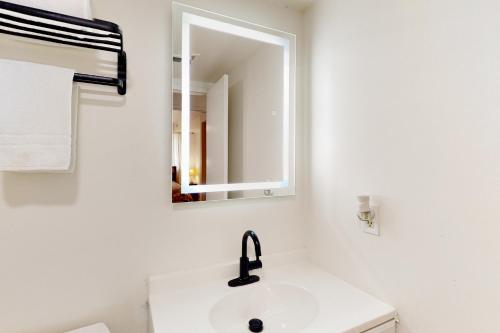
(93, 34)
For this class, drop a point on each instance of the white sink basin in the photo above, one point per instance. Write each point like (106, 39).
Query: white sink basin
(282, 308)
(292, 296)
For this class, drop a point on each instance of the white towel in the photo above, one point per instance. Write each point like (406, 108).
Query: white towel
(35, 117)
(78, 8)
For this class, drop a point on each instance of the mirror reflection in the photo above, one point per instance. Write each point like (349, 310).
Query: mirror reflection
(236, 115)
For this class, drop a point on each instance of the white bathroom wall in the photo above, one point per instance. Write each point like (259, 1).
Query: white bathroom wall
(404, 102)
(256, 117)
(78, 248)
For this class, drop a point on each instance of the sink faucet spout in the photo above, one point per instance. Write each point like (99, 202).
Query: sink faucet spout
(245, 264)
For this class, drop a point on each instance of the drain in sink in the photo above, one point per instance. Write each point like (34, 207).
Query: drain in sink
(256, 325)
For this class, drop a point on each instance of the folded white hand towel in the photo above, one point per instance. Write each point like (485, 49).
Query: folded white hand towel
(78, 8)
(35, 117)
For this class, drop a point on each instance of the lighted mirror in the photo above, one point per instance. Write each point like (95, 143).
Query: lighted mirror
(233, 109)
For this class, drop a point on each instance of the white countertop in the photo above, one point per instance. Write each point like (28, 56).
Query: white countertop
(181, 302)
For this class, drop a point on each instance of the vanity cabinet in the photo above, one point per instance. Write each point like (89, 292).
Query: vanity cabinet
(389, 327)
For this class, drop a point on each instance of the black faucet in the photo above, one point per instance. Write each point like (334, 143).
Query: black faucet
(245, 264)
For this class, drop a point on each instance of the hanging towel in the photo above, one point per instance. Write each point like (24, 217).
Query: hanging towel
(35, 117)
(78, 8)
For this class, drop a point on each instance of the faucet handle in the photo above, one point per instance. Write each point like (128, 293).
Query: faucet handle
(256, 264)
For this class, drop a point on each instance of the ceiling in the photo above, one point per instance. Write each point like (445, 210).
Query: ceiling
(216, 54)
(300, 5)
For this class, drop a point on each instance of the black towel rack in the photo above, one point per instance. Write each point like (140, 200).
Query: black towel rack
(46, 26)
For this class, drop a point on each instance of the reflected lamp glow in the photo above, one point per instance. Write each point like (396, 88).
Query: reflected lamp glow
(189, 19)
(195, 175)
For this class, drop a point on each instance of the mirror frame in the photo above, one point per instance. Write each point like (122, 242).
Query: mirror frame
(192, 16)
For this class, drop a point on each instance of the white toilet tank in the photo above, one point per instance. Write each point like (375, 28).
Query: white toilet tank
(97, 328)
